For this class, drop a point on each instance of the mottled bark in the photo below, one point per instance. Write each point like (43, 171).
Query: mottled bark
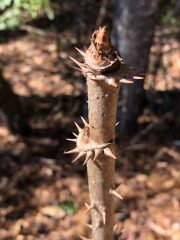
(134, 24)
(104, 70)
(102, 102)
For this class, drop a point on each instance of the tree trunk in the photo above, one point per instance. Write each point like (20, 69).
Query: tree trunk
(134, 24)
(177, 9)
(11, 108)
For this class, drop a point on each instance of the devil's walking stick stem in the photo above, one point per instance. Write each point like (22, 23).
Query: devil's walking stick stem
(102, 103)
(104, 71)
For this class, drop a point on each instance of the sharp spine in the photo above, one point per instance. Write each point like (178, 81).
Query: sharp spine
(80, 51)
(75, 134)
(89, 207)
(109, 153)
(89, 154)
(115, 193)
(78, 69)
(104, 215)
(97, 152)
(103, 145)
(78, 63)
(81, 154)
(116, 124)
(78, 127)
(138, 77)
(89, 225)
(98, 225)
(75, 150)
(84, 121)
(115, 227)
(112, 82)
(123, 80)
(71, 139)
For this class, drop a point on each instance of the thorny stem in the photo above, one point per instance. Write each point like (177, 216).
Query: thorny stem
(102, 104)
(104, 70)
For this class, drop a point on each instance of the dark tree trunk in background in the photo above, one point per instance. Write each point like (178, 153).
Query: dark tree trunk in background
(134, 24)
(11, 108)
(177, 9)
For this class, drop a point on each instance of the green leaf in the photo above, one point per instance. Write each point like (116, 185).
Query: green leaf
(69, 207)
(22, 11)
(50, 13)
(12, 22)
(4, 4)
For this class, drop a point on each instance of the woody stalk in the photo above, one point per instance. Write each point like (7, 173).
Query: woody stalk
(104, 71)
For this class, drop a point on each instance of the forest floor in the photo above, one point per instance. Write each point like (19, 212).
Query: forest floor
(42, 194)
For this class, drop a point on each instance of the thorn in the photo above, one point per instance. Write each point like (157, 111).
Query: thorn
(80, 51)
(71, 139)
(115, 227)
(138, 77)
(84, 121)
(97, 152)
(123, 80)
(89, 225)
(89, 207)
(109, 153)
(104, 215)
(75, 61)
(75, 134)
(84, 238)
(78, 127)
(81, 154)
(75, 150)
(116, 124)
(98, 225)
(112, 82)
(79, 69)
(103, 145)
(116, 194)
(88, 156)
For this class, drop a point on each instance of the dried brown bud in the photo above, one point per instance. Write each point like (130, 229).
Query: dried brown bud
(103, 63)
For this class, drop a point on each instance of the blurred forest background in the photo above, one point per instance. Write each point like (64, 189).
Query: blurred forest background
(42, 194)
